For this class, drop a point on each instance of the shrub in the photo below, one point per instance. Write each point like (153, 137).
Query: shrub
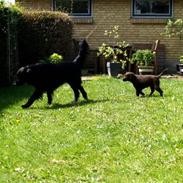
(114, 49)
(181, 59)
(143, 57)
(174, 28)
(55, 58)
(42, 33)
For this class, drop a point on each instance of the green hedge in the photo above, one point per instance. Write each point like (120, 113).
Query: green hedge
(27, 37)
(41, 33)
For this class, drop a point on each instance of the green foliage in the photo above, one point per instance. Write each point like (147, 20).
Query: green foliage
(36, 34)
(42, 33)
(9, 13)
(181, 59)
(114, 137)
(143, 57)
(174, 28)
(113, 48)
(55, 58)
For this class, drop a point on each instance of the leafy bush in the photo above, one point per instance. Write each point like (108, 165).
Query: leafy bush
(29, 36)
(114, 48)
(143, 57)
(181, 59)
(42, 33)
(174, 28)
(55, 58)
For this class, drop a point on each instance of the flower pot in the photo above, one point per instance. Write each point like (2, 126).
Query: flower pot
(180, 68)
(145, 70)
(113, 69)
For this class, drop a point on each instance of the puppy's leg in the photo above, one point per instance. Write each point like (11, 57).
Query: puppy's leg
(49, 95)
(152, 90)
(157, 87)
(142, 93)
(83, 92)
(160, 91)
(36, 95)
(138, 92)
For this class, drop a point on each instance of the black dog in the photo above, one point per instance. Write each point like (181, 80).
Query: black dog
(143, 81)
(48, 77)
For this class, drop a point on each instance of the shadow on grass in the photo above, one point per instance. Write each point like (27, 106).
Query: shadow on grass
(12, 95)
(80, 103)
(68, 105)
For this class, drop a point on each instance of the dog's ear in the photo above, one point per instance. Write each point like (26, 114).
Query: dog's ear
(22, 76)
(27, 69)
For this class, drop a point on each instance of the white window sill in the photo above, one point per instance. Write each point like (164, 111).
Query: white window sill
(143, 20)
(82, 19)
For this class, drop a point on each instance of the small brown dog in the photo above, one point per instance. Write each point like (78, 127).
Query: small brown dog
(143, 81)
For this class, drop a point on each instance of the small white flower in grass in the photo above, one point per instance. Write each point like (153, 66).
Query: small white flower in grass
(19, 169)
(164, 137)
(78, 131)
(56, 161)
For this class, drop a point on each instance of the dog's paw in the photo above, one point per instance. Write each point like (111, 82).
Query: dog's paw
(87, 99)
(25, 106)
(74, 102)
(49, 103)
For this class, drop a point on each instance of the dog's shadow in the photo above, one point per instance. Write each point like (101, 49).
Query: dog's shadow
(71, 104)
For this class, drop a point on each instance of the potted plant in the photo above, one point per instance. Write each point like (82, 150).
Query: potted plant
(144, 61)
(112, 52)
(180, 65)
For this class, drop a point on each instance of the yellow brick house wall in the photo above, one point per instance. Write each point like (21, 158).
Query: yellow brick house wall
(36, 4)
(107, 13)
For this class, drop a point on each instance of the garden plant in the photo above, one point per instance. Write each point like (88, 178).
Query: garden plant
(113, 47)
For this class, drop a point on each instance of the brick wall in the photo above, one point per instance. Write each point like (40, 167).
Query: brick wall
(107, 13)
(118, 12)
(36, 4)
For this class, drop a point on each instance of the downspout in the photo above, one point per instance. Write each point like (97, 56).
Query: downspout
(53, 5)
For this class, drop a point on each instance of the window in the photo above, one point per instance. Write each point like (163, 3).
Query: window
(152, 8)
(74, 7)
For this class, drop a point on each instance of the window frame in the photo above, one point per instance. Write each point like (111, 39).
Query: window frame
(169, 15)
(78, 14)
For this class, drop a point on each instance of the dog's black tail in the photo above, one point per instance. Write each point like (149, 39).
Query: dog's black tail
(83, 51)
(159, 75)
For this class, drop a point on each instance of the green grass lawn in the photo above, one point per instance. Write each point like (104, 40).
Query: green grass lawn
(115, 137)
